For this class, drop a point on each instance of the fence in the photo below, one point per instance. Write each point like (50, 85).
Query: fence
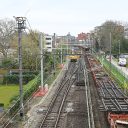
(117, 73)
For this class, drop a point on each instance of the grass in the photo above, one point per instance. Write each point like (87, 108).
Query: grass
(116, 73)
(50, 81)
(6, 92)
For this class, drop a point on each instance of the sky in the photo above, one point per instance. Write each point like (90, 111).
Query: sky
(64, 16)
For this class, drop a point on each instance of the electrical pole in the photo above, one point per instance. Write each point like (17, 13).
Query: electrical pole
(67, 43)
(54, 40)
(21, 25)
(119, 47)
(61, 54)
(41, 53)
(110, 34)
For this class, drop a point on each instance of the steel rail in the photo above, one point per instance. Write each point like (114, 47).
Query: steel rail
(61, 106)
(117, 103)
(120, 91)
(106, 108)
(89, 102)
(108, 90)
(54, 98)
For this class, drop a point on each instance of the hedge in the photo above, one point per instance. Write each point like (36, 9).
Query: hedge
(28, 91)
(14, 79)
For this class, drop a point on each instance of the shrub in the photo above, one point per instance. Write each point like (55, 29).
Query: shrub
(11, 79)
(7, 63)
(14, 79)
(1, 105)
(29, 89)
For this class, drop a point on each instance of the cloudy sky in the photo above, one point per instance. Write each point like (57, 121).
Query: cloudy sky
(63, 16)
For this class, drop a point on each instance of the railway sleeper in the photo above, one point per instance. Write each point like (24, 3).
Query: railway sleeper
(80, 83)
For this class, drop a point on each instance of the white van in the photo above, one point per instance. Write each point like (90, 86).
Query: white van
(122, 61)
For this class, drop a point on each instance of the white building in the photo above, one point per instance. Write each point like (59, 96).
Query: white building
(48, 43)
(126, 33)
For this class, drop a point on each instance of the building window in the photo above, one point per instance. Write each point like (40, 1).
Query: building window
(48, 39)
(48, 43)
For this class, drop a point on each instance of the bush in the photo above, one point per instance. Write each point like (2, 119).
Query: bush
(14, 79)
(27, 78)
(28, 91)
(1, 105)
(11, 79)
(7, 63)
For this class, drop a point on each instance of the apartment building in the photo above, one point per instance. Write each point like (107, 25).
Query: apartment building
(48, 42)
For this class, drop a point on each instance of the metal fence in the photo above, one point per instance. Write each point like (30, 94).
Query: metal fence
(117, 73)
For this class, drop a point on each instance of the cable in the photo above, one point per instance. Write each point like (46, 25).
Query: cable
(31, 32)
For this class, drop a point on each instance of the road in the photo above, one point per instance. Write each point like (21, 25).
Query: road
(123, 70)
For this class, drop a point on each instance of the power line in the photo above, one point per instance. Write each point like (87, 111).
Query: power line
(31, 32)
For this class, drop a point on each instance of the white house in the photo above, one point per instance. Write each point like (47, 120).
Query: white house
(48, 43)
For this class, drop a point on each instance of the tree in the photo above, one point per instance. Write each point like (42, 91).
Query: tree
(7, 29)
(30, 50)
(103, 34)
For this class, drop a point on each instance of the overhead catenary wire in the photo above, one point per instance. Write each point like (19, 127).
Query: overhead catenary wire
(31, 32)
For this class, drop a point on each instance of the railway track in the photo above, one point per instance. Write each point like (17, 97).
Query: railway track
(111, 98)
(71, 105)
(100, 120)
(52, 114)
(74, 103)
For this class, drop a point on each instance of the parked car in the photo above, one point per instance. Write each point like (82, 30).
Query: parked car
(122, 61)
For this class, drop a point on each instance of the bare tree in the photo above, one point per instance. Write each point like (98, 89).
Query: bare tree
(7, 29)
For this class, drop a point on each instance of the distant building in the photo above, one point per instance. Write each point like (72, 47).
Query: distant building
(67, 39)
(70, 38)
(82, 37)
(48, 42)
(126, 33)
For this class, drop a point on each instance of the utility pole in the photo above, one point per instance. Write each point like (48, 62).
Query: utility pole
(41, 53)
(61, 54)
(21, 25)
(54, 59)
(119, 47)
(110, 34)
(67, 43)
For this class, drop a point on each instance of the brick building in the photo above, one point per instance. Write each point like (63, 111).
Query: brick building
(82, 37)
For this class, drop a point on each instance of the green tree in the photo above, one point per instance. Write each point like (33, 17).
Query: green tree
(30, 50)
(103, 34)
